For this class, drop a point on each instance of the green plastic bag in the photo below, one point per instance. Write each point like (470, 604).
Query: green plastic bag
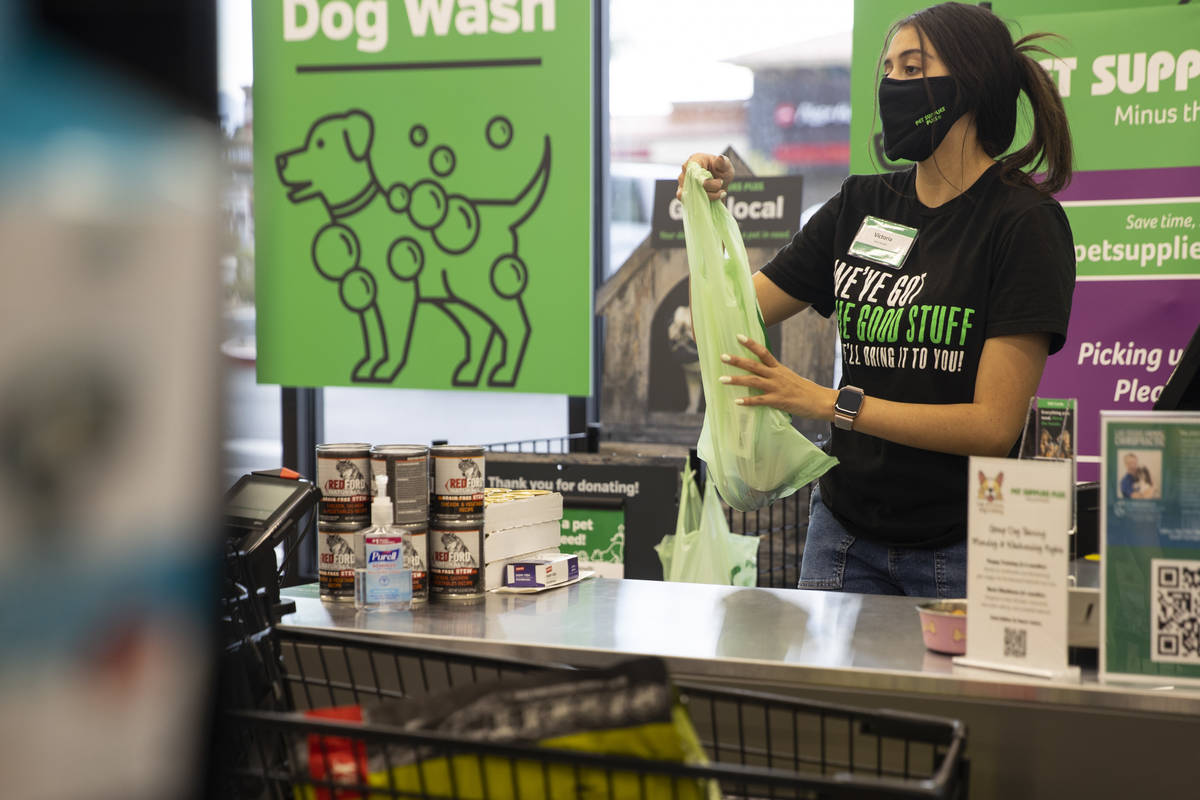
(754, 455)
(687, 520)
(703, 550)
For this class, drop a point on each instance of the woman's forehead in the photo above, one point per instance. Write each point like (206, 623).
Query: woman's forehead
(907, 39)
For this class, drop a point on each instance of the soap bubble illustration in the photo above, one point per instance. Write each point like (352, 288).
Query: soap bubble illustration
(428, 205)
(418, 135)
(406, 258)
(335, 251)
(398, 197)
(460, 228)
(441, 161)
(499, 132)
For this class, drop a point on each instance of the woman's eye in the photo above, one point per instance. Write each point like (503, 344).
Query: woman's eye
(911, 69)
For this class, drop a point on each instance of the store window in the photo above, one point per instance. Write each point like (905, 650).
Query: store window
(769, 78)
(252, 420)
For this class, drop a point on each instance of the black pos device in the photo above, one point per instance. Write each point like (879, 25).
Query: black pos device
(261, 509)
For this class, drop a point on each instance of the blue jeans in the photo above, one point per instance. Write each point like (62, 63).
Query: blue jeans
(836, 560)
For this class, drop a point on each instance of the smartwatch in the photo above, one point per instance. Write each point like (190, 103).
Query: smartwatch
(845, 410)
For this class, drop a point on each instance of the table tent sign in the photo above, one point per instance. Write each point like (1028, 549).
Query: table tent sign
(1150, 548)
(1018, 523)
(1129, 75)
(423, 193)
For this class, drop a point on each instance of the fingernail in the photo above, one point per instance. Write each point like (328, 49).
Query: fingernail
(741, 337)
(724, 379)
(721, 196)
(726, 357)
(739, 402)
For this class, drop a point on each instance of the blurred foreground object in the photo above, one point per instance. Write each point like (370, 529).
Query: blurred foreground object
(108, 423)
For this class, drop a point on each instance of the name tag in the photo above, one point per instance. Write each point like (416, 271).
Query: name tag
(883, 242)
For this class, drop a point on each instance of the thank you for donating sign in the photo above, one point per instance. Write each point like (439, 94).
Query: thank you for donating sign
(767, 211)
(423, 193)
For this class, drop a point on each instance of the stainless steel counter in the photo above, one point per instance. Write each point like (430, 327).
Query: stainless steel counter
(1027, 738)
(768, 638)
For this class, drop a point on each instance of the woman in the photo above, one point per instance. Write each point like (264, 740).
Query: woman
(950, 284)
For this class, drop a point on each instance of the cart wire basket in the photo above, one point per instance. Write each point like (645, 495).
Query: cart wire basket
(757, 744)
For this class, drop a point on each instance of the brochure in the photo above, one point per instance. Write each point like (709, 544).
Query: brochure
(1150, 547)
(1049, 429)
(1018, 516)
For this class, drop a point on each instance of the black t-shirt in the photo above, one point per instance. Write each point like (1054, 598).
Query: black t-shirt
(996, 260)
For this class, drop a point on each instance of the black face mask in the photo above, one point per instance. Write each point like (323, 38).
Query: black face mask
(912, 129)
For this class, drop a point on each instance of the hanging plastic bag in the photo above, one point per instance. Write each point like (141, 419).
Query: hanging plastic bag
(687, 520)
(703, 550)
(754, 455)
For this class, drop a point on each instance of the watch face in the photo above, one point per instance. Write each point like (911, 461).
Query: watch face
(849, 401)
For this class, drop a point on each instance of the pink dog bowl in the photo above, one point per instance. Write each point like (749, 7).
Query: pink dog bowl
(944, 626)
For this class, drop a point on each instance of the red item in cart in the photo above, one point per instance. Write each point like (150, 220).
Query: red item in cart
(337, 759)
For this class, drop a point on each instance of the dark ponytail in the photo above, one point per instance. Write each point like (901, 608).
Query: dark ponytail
(991, 72)
(1051, 141)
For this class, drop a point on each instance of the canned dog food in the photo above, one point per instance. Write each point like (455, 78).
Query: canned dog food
(339, 553)
(343, 475)
(416, 558)
(407, 469)
(456, 569)
(457, 481)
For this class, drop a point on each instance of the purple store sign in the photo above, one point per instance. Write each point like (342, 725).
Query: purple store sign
(1125, 338)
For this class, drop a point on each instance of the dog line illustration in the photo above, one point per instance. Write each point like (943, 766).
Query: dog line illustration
(615, 552)
(391, 248)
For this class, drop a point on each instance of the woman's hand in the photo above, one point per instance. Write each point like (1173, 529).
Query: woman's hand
(781, 388)
(722, 173)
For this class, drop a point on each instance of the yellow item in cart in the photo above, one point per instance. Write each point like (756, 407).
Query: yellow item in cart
(494, 778)
(582, 711)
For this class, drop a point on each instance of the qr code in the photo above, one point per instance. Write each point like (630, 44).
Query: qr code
(1014, 642)
(1175, 611)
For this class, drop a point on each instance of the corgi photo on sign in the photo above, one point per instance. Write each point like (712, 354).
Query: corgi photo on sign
(989, 488)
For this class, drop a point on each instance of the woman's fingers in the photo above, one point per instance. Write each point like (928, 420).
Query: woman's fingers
(751, 365)
(722, 168)
(722, 173)
(764, 355)
(757, 400)
(749, 381)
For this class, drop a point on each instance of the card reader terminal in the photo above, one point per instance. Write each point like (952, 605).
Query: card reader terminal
(263, 506)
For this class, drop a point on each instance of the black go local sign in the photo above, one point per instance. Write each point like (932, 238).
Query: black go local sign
(767, 211)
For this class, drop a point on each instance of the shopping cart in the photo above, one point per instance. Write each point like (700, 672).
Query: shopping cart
(757, 744)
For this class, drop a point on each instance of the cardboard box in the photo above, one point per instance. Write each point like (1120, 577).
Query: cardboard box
(507, 544)
(514, 508)
(544, 570)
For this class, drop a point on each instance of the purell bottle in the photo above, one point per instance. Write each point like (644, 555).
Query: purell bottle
(384, 582)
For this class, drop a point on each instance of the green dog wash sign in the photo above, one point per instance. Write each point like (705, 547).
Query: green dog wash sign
(423, 193)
